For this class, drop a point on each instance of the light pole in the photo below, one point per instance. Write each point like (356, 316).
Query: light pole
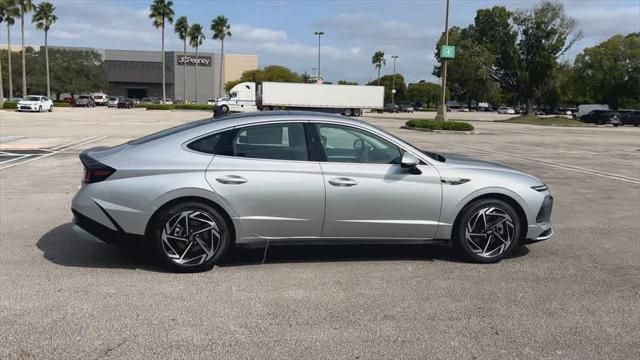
(442, 111)
(319, 33)
(393, 82)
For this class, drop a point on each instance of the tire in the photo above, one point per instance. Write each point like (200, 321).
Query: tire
(51, 108)
(224, 109)
(357, 112)
(616, 125)
(182, 252)
(347, 112)
(477, 243)
(40, 108)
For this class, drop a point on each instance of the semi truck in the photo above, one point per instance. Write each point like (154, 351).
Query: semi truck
(349, 100)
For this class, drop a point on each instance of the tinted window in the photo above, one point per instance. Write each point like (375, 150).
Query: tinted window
(206, 144)
(278, 142)
(346, 144)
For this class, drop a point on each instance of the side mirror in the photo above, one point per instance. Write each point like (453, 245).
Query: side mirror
(409, 160)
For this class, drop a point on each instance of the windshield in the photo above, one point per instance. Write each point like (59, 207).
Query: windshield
(32, 98)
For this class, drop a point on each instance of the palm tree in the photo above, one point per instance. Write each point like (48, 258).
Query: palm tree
(44, 18)
(220, 27)
(182, 29)
(161, 11)
(11, 12)
(378, 61)
(3, 11)
(196, 38)
(25, 7)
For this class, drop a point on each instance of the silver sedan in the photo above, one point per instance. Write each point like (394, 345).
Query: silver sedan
(193, 192)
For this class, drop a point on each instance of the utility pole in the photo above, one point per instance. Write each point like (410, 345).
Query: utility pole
(393, 82)
(319, 33)
(442, 109)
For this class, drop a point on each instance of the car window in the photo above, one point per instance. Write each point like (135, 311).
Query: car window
(347, 144)
(206, 144)
(277, 141)
(32, 98)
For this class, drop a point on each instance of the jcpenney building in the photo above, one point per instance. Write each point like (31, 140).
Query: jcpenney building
(138, 74)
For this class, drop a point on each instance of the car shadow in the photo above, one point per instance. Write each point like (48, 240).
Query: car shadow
(67, 247)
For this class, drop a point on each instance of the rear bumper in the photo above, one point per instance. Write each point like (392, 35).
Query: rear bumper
(103, 232)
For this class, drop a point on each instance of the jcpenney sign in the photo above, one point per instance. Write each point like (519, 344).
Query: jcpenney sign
(191, 60)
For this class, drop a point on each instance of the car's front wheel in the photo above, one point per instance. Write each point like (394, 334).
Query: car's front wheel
(487, 230)
(190, 236)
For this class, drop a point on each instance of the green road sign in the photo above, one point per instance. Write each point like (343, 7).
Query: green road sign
(447, 52)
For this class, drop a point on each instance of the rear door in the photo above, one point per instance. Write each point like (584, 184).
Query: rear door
(263, 172)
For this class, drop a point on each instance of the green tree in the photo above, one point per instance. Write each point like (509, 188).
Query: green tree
(221, 29)
(275, 73)
(44, 17)
(161, 11)
(182, 29)
(346, 82)
(425, 93)
(25, 7)
(609, 72)
(387, 82)
(378, 61)
(469, 74)
(11, 12)
(527, 45)
(196, 38)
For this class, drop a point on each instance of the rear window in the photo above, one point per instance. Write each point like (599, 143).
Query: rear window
(168, 132)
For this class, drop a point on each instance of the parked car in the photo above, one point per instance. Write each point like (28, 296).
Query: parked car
(211, 101)
(100, 99)
(584, 109)
(85, 101)
(631, 118)
(37, 103)
(393, 108)
(146, 100)
(351, 181)
(70, 100)
(407, 108)
(506, 110)
(113, 102)
(166, 101)
(602, 117)
(126, 104)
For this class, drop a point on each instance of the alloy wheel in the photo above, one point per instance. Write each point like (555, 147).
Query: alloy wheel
(190, 238)
(489, 232)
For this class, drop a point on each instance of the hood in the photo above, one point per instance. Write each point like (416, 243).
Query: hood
(455, 160)
(25, 102)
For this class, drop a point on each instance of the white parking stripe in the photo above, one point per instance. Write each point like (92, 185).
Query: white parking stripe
(72, 143)
(14, 159)
(573, 168)
(92, 139)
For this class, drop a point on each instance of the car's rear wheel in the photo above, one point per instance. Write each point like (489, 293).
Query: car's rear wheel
(51, 108)
(190, 237)
(40, 108)
(487, 230)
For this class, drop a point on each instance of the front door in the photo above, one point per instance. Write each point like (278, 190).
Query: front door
(266, 177)
(369, 194)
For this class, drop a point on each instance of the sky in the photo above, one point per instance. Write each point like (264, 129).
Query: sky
(282, 32)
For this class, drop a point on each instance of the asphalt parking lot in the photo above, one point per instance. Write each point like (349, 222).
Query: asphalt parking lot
(64, 295)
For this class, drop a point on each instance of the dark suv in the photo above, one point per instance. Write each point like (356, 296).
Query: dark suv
(602, 117)
(631, 118)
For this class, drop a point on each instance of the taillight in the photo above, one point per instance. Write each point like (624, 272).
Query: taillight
(94, 171)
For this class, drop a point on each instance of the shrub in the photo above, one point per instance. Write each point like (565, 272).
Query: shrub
(10, 105)
(176, 106)
(158, 106)
(61, 104)
(194, 106)
(440, 125)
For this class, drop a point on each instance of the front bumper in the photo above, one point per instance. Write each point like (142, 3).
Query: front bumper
(542, 229)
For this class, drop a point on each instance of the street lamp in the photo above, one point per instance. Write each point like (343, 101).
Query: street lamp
(442, 111)
(319, 33)
(393, 82)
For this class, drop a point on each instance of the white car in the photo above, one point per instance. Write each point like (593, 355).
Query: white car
(167, 101)
(112, 102)
(35, 103)
(211, 101)
(506, 110)
(100, 99)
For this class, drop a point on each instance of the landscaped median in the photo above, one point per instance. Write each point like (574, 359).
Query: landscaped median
(548, 121)
(435, 125)
(176, 107)
(10, 105)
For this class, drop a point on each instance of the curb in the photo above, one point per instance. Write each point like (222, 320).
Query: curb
(442, 131)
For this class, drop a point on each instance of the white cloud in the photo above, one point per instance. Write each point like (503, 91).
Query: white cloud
(244, 32)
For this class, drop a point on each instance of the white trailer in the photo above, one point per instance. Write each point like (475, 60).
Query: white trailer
(349, 100)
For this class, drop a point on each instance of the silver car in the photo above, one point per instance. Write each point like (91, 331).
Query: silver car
(194, 192)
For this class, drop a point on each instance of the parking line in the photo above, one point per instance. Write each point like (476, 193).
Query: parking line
(71, 143)
(557, 165)
(59, 150)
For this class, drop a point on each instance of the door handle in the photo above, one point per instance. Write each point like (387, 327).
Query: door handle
(342, 182)
(231, 179)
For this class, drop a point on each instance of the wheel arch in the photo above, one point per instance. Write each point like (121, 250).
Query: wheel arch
(522, 216)
(204, 200)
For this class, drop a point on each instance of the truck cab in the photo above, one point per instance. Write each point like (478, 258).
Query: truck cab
(241, 98)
